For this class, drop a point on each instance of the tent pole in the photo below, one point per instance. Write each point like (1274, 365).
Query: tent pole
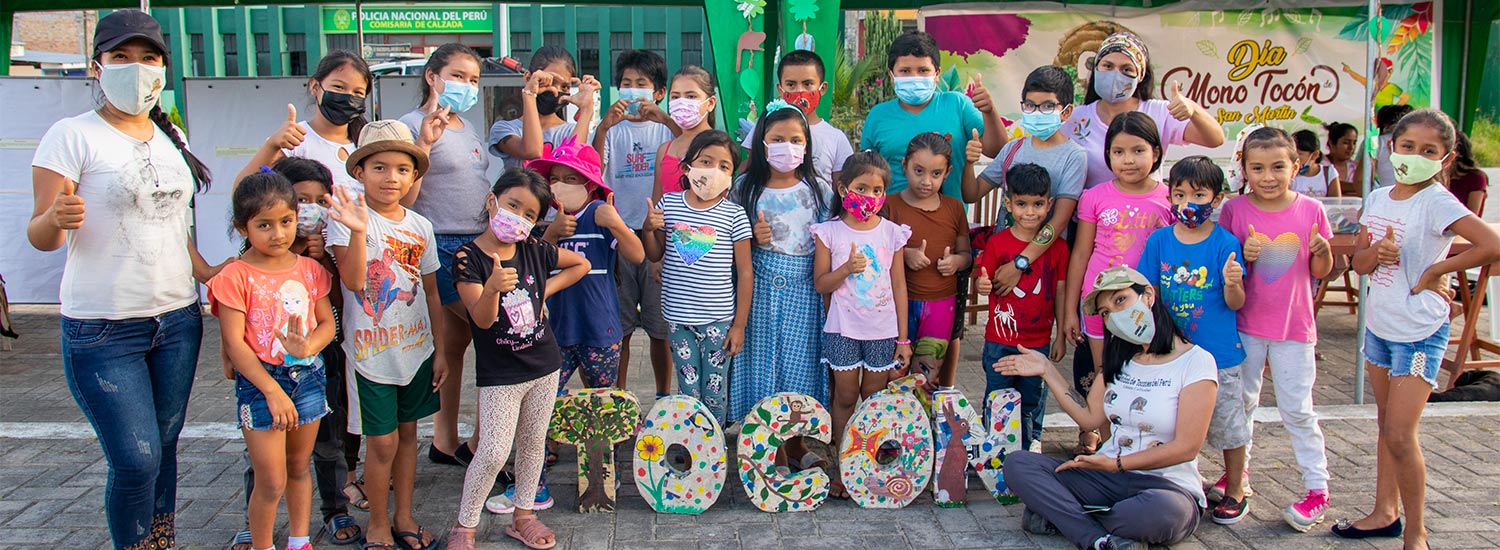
(359, 26)
(1371, 58)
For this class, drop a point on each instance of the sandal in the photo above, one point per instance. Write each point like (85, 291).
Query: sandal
(837, 490)
(530, 531)
(355, 492)
(241, 541)
(339, 523)
(379, 546)
(424, 539)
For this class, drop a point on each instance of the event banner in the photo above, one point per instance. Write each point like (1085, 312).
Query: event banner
(1291, 68)
(439, 19)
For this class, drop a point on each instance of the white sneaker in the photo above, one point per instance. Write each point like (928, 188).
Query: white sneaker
(499, 504)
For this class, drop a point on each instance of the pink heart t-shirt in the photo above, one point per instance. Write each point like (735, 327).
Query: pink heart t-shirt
(1278, 284)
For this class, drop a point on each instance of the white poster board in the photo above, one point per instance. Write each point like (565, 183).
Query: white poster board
(227, 120)
(396, 95)
(31, 276)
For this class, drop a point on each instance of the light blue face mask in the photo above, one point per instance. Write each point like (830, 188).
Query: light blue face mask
(458, 96)
(1042, 125)
(915, 90)
(1114, 86)
(634, 97)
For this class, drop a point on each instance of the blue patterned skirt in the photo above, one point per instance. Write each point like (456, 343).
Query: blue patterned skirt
(783, 338)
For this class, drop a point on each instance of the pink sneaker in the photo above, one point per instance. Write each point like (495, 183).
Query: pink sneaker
(307, 546)
(1216, 493)
(1307, 512)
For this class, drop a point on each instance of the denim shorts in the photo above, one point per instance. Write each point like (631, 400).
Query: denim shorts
(842, 353)
(447, 245)
(1422, 358)
(305, 385)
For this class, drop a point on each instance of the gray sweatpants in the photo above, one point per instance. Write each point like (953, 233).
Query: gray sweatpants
(1143, 507)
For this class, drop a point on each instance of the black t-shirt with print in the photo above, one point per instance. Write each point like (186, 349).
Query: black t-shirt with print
(519, 347)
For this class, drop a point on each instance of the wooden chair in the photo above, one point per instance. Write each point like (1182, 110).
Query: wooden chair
(981, 213)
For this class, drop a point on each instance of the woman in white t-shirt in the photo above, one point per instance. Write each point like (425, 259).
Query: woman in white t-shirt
(1154, 407)
(114, 185)
(338, 87)
(1120, 81)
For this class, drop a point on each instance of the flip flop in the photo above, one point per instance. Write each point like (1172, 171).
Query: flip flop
(379, 546)
(241, 541)
(339, 523)
(420, 534)
(355, 491)
(530, 531)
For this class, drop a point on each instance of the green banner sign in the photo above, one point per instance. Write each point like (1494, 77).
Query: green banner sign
(410, 20)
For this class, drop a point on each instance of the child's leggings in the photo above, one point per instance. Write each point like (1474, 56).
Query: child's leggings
(703, 364)
(1294, 369)
(519, 413)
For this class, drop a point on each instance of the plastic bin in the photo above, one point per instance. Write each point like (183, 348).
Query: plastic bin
(1343, 213)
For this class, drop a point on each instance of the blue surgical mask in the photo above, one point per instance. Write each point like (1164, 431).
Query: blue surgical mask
(633, 97)
(1114, 86)
(1042, 125)
(458, 96)
(915, 90)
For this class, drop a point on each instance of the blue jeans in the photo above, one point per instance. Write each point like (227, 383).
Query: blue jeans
(131, 378)
(1033, 390)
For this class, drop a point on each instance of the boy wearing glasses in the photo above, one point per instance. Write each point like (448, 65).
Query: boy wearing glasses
(1047, 101)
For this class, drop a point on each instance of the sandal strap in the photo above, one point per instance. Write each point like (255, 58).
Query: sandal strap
(534, 529)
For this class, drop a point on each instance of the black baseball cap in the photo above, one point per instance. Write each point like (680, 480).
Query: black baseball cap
(119, 26)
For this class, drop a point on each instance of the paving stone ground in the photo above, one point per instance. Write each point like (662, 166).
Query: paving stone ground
(51, 486)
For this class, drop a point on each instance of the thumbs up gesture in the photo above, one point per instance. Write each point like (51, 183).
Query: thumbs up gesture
(1234, 275)
(983, 284)
(1180, 106)
(502, 280)
(975, 147)
(655, 217)
(1252, 246)
(289, 135)
(67, 207)
(1387, 252)
(949, 262)
(1316, 244)
(857, 263)
(562, 227)
(762, 229)
(916, 258)
(980, 95)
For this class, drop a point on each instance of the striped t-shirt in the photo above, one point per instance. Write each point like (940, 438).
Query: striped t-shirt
(698, 266)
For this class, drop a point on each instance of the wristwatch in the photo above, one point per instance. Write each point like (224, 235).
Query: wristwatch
(1022, 263)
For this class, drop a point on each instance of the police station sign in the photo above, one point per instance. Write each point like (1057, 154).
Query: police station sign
(477, 18)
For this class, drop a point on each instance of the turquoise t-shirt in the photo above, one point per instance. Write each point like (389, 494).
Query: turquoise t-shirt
(889, 129)
(1190, 277)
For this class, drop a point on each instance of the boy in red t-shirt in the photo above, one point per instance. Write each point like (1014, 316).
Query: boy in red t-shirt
(1024, 316)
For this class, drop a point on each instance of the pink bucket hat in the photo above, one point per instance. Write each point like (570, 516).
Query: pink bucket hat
(576, 155)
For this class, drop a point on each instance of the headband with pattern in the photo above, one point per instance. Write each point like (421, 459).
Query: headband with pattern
(1128, 44)
(777, 105)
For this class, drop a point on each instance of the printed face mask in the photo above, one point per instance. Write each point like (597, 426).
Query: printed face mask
(915, 90)
(863, 207)
(806, 101)
(1114, 86)
(686, 112)
(309, 217)
(634, 97)
(1133, 324)
(1042, 125)
(509, 226)
(1192, 214)
(340, 108)
(133, 88)
(785, 156)
(570, 197)
(458, 96)
(1414, 169)
(707, 183)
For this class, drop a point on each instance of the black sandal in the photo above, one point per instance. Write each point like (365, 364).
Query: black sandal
(341, 522)
(401, 536)
(355, 491)
(1345, 529)
(241, 538)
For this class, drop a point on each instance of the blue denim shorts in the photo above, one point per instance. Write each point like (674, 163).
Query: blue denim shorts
(447, 245)
(1421, 358)
(305, 385)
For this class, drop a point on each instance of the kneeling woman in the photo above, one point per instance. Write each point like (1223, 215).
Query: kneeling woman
(1155, 403)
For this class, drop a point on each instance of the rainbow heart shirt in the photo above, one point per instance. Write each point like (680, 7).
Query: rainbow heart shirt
(693, 242)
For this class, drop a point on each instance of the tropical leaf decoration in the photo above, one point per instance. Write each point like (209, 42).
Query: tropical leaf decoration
(1207, 48)
(803, 10)
(1413, 59)
(751, 9)
(1303, 44)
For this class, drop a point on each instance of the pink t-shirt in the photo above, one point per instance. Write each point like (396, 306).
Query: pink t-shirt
(1123, 223)
(671, 174)
(1086, 130)
(864, 307)
(1279, 284)
(269, 299)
